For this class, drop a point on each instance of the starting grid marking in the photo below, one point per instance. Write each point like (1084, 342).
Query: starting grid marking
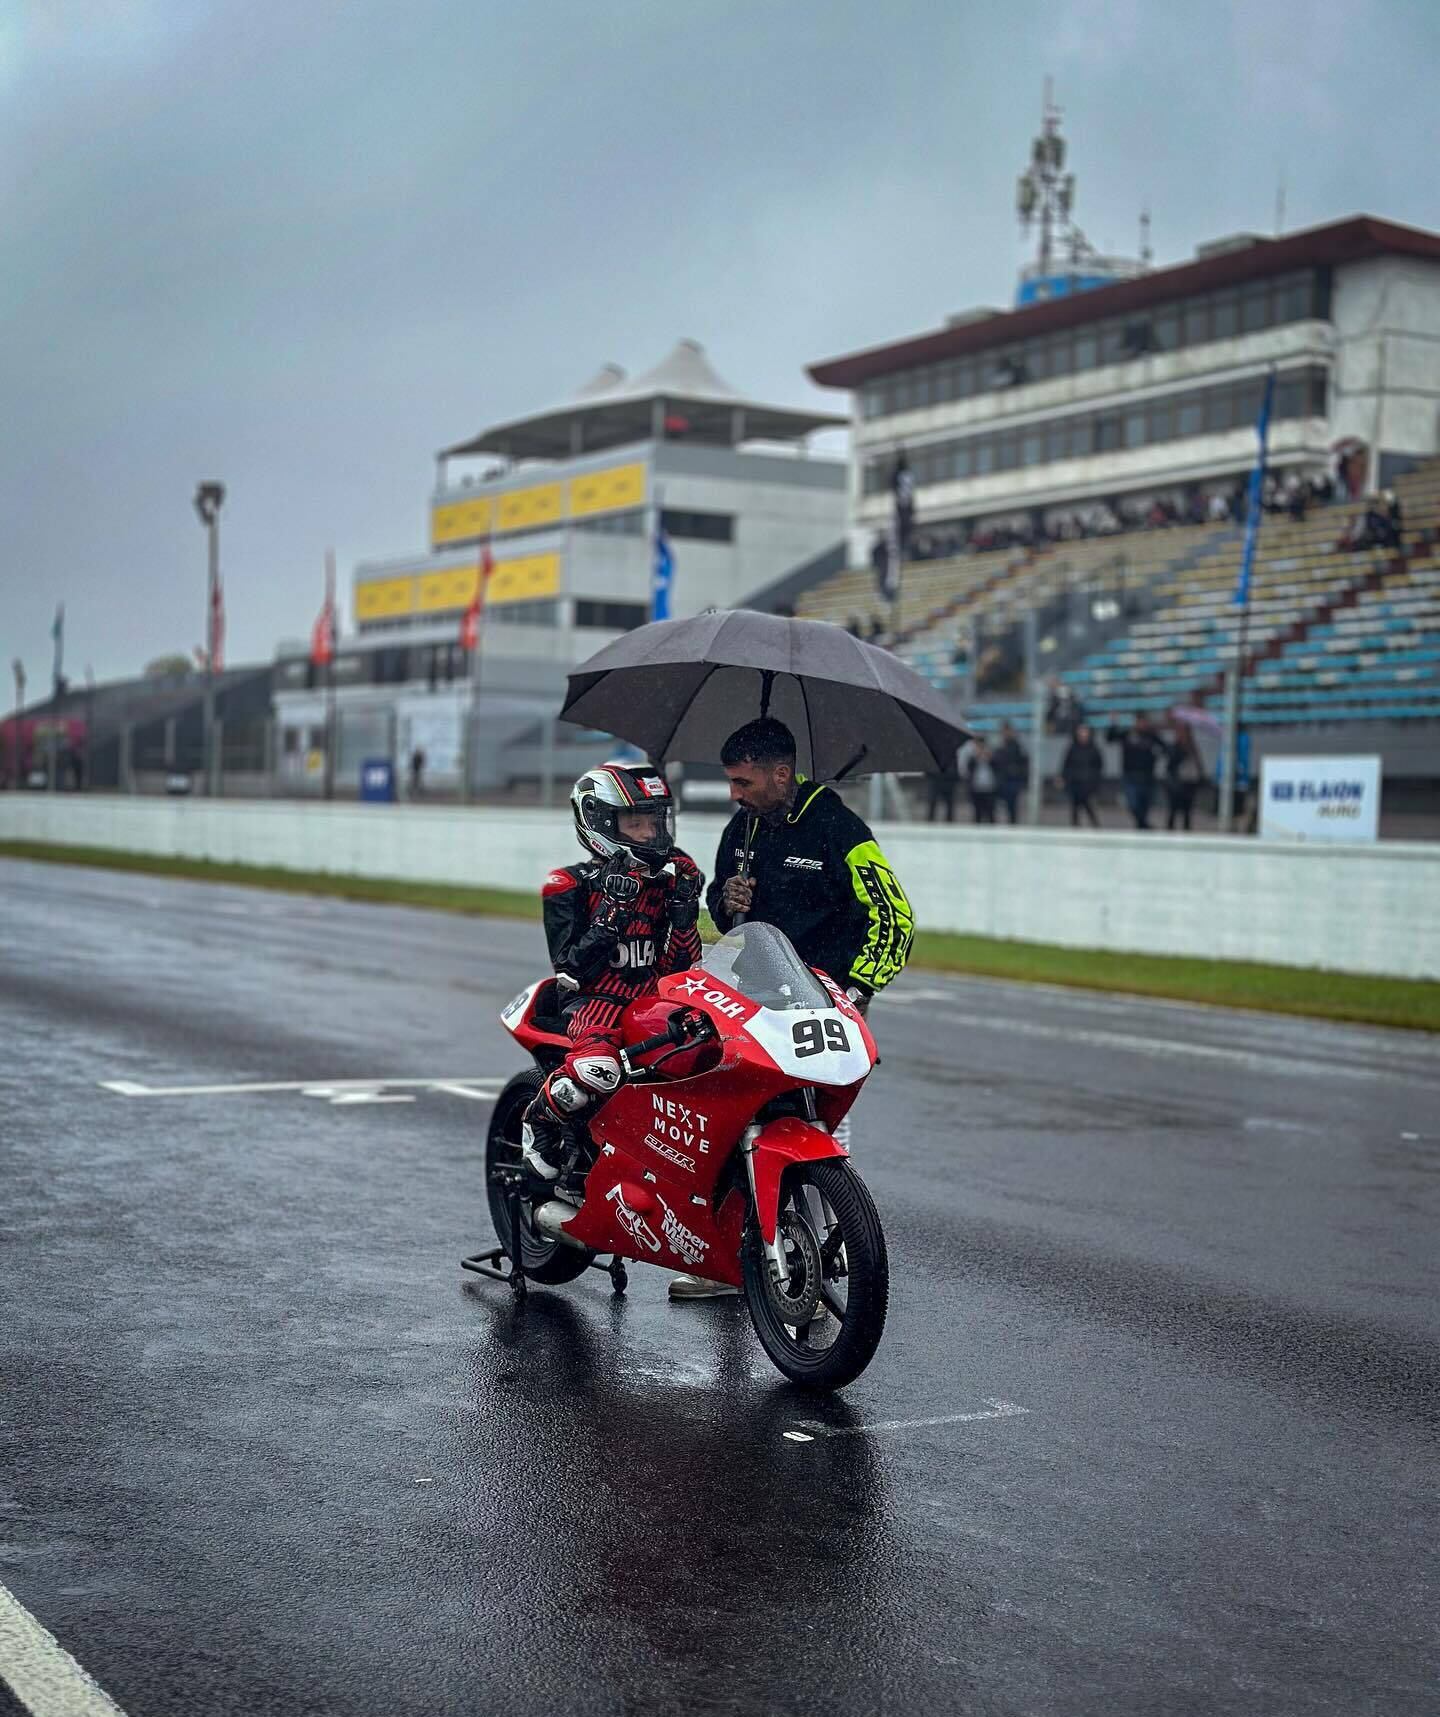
(39, 1671)
(334, 1091)
(810, 1429)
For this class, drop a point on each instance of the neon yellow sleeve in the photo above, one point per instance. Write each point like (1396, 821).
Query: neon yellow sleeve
(891, 930)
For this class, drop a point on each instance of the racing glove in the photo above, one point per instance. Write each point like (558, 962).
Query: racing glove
(619, 889)
(686, 887)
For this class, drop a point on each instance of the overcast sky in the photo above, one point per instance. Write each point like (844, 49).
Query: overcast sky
(300, 246)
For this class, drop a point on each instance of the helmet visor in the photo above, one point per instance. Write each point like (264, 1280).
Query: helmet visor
(646, 828)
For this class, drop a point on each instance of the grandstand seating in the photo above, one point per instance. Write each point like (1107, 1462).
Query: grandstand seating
(1331, 636)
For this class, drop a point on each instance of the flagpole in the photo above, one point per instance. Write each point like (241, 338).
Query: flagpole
(332, 726)
(474, 673)
(1235, 689)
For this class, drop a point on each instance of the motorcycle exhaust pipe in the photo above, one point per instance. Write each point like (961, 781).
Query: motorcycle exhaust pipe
(549, 1217)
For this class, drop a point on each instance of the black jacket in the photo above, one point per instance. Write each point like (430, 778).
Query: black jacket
(1139, 752)
(821, 879)
(622, 962)
(1083, 767)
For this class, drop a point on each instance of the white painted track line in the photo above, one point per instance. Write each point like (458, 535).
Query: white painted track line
(816, 1428)
(41, 1673)
(482, 1089)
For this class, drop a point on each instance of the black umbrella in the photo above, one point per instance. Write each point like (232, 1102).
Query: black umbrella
(678, 688)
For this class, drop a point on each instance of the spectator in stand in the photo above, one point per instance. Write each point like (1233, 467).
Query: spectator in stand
(852, 626)
(1297, 496)
(1064, 711)
(1183, 774)
(1080, 772)
(1012, 770)
(1396, 518)
(1219, 508)
(981, 778)
(940, 790)
(1141, 749)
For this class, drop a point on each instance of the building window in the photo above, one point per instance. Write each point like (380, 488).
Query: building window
(1032, 447)
(611, 616)
(1190, 417)
(1255, 310)
(699, 527)
(1135, 428)
(1224, 315)
(1107, 433)
(1166, 329)
(522, 614)
(1087, 349)
(984, 458)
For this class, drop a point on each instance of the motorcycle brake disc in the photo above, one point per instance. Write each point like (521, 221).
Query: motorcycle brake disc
(795, 1300)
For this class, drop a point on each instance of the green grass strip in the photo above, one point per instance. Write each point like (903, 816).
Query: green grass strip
(1406, 1002)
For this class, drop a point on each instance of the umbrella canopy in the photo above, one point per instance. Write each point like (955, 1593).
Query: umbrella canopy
(679, 688)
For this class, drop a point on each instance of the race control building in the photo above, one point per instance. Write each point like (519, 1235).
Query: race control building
(1148, 387)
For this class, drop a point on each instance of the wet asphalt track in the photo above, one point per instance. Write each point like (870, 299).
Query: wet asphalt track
(263, 1449)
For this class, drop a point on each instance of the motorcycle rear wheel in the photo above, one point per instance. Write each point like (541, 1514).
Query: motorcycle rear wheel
(835, 1251)
(549, 1262)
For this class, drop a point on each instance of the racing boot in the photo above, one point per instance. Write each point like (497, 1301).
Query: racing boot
(542, 1136)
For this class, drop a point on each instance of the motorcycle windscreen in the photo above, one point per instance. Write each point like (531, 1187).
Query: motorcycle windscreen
(759, 962)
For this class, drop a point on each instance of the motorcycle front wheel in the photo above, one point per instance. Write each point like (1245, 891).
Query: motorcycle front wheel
(822, 1323)
(550, 1262)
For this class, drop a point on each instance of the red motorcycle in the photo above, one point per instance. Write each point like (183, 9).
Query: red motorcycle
(717, 1155)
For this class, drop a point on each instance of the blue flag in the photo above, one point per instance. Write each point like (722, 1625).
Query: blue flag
(664, 577)
(1257, 485)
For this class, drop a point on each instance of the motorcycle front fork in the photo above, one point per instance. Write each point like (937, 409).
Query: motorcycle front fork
(774, 1250)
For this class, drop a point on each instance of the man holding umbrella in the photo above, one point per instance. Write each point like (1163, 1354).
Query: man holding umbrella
(796, 856)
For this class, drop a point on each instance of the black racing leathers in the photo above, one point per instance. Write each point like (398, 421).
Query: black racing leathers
(614, 960)
(820, 878)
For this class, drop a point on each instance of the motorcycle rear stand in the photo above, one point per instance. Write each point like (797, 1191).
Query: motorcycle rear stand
(488, 1263)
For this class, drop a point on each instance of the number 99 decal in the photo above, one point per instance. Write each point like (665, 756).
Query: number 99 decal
(812, 1037)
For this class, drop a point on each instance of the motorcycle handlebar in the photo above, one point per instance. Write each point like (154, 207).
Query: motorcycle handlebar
(677, 1032)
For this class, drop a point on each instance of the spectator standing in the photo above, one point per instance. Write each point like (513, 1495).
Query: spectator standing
(417, 772)
(940, 790)
(982, 780)
(1064, 712)
(1012, 770)
(1141, 749)
(1183, 774)
(1080, 772)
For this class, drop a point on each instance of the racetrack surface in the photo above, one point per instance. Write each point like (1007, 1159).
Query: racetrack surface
(1164, 1284)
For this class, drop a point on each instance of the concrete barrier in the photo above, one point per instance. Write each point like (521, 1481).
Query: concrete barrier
(1348, 909)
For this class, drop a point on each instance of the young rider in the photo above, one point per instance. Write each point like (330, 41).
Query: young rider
(615, 923)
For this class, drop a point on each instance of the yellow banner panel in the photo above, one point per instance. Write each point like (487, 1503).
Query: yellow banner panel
(525, 509)
(524, 579)
(619, 488)
(452, 588)
(383, 598)
(459, 521)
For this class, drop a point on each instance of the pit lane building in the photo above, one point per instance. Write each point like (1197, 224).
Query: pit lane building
(1148, 387)
(567, 500)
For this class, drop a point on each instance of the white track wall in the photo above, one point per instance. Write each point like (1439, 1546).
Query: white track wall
(1370, 909)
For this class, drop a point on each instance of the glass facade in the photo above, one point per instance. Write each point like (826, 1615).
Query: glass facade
(1168, 328)
(1172, 417)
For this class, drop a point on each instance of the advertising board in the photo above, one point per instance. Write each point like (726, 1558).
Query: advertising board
(1320, 798)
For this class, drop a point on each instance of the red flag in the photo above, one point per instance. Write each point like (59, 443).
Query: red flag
(470, 622)
(217, 627)
(322, 638)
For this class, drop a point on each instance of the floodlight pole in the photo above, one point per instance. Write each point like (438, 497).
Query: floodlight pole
(209, 498)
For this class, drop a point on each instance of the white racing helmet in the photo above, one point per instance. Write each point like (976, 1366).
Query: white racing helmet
(600, 797)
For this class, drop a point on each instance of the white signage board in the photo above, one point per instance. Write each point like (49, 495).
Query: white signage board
(1320, 798)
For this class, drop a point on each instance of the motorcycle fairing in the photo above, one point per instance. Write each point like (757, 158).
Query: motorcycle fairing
(781, 1144)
